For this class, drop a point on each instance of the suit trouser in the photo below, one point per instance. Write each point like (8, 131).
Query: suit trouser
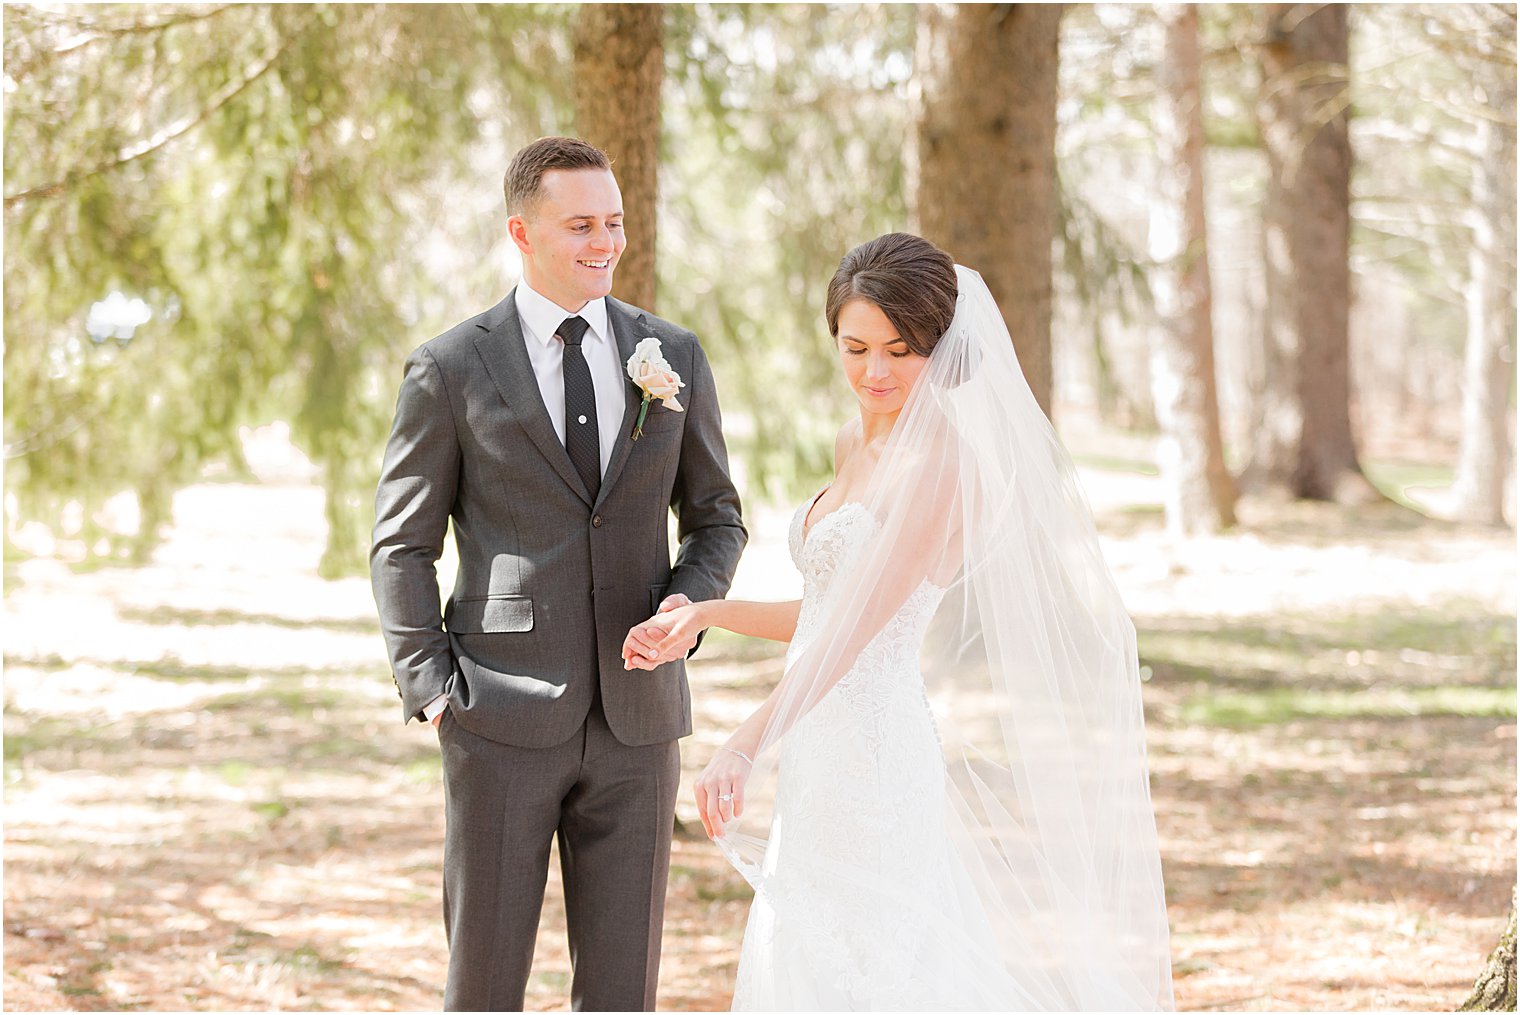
(612, 807)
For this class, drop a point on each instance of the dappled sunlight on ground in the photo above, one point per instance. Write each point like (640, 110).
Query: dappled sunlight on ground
(211, 802)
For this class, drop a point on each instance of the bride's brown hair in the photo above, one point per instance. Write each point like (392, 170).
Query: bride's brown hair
(908, 278)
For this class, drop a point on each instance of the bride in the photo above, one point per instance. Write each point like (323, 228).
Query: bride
(944, 802)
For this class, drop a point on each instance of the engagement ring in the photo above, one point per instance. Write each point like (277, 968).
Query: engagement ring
(725, 796)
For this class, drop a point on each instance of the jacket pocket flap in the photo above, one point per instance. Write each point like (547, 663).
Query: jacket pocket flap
(489, 615)
(663, 418)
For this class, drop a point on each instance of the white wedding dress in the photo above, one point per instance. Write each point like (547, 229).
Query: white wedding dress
(948, 806)
(861, 901)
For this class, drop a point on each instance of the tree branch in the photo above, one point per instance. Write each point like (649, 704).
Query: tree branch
(152, 144)
(97, 33)
(87, 33)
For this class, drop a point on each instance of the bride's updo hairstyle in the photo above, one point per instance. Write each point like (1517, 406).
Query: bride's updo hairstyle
(908, 278)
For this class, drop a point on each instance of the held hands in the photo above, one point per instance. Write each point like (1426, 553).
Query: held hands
(666, 636)
(720, 789)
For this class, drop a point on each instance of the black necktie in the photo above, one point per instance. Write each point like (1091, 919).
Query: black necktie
(582, 438)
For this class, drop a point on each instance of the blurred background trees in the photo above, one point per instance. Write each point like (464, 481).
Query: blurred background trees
(1487, 448)
(267, 179)
(1190, 450)
(1265, 245)
(984, 166)
(1304, 113)
(619, 70)
(1312, 208)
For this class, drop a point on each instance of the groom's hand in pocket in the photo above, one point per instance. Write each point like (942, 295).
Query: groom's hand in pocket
(649, 644)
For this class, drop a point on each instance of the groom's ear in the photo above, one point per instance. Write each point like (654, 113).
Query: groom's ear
(517, 228)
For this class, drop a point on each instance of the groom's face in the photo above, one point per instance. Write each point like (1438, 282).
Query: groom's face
(572, 237)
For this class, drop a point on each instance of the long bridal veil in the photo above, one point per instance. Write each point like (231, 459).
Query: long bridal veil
(1031, 677)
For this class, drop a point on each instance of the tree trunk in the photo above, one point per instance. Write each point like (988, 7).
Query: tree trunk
(1200, 495)
(619, 70)
(1485, 455)
(1307, 443)
(985, 184)
(1495, 987)
(1276, 416)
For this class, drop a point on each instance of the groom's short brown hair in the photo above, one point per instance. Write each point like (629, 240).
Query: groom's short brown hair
(526, 173)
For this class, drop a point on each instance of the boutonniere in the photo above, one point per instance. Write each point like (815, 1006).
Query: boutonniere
(647, 369)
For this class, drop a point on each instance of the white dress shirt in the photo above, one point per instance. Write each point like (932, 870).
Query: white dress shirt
(539, 318)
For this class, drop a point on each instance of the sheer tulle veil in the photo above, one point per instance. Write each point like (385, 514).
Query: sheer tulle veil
(1031, 674)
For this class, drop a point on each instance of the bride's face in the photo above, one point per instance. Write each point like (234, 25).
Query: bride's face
(878, 364)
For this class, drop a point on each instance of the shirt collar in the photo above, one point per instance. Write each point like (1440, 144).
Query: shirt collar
(541, 316)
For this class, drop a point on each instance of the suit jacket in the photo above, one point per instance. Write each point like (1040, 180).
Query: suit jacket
(550, 579)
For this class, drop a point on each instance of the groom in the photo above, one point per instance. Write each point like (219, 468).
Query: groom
(519, 426)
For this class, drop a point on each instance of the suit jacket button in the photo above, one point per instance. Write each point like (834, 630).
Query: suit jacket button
(596, 521)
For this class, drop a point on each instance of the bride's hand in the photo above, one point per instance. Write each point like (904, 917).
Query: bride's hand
(640, 649)
(720, 790)
(666, 636)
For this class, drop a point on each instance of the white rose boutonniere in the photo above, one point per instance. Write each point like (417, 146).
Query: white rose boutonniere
(648, 369)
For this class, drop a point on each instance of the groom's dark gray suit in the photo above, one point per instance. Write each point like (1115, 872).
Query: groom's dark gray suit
(546, 733)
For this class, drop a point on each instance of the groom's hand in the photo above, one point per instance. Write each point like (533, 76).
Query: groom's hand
(648, 644)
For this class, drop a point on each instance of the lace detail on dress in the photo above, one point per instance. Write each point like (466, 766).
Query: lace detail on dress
(858, 866)
(887, 667)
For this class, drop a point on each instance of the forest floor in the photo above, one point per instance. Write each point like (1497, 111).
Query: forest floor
(210, 802)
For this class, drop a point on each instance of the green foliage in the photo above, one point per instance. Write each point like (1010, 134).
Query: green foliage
(253, 173)
(266, 177)
(1447, 659)
(782, 149)
(1285, 704)
(1107, 87)
(302, 193)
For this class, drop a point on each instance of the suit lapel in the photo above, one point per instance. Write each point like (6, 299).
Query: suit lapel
(501, 349)
(626, 326)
